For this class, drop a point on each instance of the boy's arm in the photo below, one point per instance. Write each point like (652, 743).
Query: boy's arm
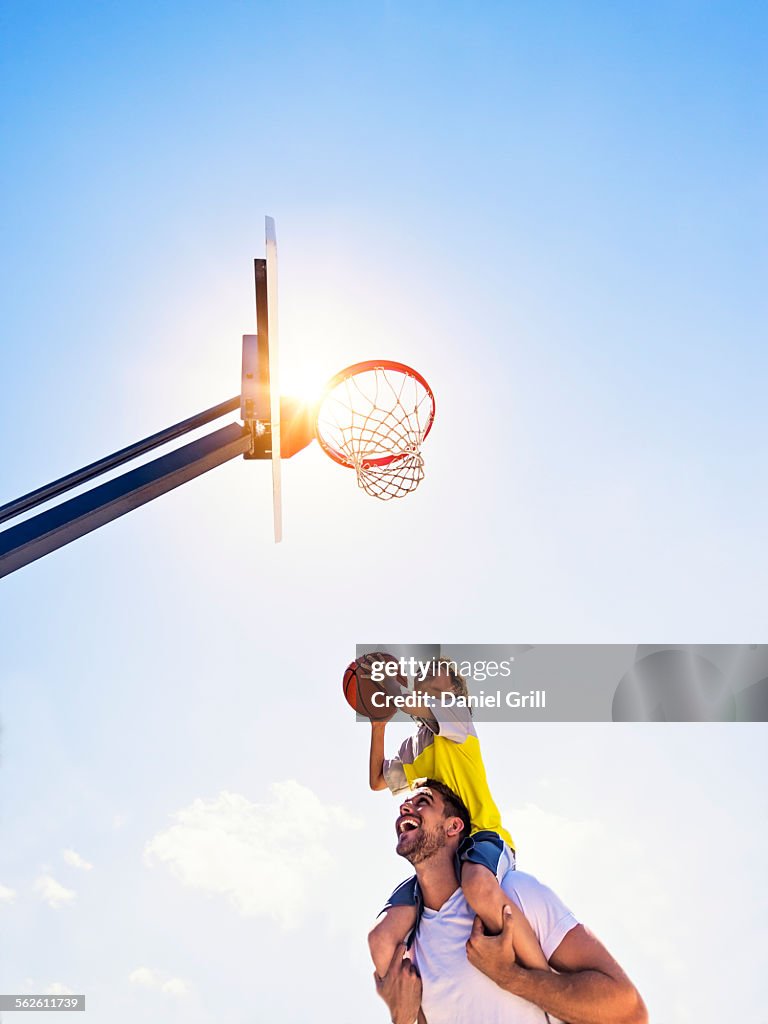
(386, 772)
(376, 778)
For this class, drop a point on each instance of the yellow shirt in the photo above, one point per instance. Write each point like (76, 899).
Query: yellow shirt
(451, 756)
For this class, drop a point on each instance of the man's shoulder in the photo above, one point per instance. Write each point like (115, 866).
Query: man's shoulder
(523, 883)
(525, 888)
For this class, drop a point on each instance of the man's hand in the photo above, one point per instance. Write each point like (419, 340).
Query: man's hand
(494, 955)
(400, 988)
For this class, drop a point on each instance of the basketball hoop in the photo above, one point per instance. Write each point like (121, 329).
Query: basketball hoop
(373, 417)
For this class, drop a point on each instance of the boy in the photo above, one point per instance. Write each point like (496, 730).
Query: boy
(446, 748)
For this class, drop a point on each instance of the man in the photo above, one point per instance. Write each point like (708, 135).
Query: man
(459, 975)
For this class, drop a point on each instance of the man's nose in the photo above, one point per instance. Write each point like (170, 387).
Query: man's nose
(405, 807)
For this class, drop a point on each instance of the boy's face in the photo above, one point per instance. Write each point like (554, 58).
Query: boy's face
(433, 686)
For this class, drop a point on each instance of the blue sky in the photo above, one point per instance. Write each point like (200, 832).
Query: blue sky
(558, 217)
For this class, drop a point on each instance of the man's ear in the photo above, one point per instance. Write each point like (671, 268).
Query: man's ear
(454, 826)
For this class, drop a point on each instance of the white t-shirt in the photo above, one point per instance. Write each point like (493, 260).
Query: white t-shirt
(454, 991)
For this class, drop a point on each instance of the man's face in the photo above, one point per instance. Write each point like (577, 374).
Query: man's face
(421, 825)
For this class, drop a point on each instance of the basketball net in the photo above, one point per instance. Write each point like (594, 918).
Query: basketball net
(375, 421)
(392, 481)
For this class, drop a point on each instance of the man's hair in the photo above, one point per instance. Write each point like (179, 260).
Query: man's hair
(446, 668)
(454, 805)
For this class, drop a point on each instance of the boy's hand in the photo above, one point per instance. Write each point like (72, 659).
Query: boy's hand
(366, 661)
(379, 724)
(392, 684)
(385, 714)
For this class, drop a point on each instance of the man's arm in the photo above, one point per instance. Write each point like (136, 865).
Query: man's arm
(400, 988)
(590, 988)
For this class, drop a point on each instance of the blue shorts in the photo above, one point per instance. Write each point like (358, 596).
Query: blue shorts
(490, 850)
(484, 847)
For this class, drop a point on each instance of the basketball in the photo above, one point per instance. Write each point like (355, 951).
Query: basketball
(359, 688)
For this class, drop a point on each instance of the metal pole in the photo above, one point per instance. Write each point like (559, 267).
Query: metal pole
(82, 476)
(56, 527)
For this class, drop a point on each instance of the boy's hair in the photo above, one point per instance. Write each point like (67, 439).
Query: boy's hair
(454, 805)
(447, 668)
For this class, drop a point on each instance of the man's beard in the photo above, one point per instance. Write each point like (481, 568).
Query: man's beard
(426, 846)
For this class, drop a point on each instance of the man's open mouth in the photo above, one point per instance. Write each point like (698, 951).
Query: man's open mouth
(408, 823)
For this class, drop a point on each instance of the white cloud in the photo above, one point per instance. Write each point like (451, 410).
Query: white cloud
(145, 977)
(175, 987)
(53, 893)
(57, 989)
(75, 860)
(266, 859)
(7, 895)
(159, 981)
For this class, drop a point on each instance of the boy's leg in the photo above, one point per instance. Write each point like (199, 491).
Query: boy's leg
(486, 897)
(388, 933)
